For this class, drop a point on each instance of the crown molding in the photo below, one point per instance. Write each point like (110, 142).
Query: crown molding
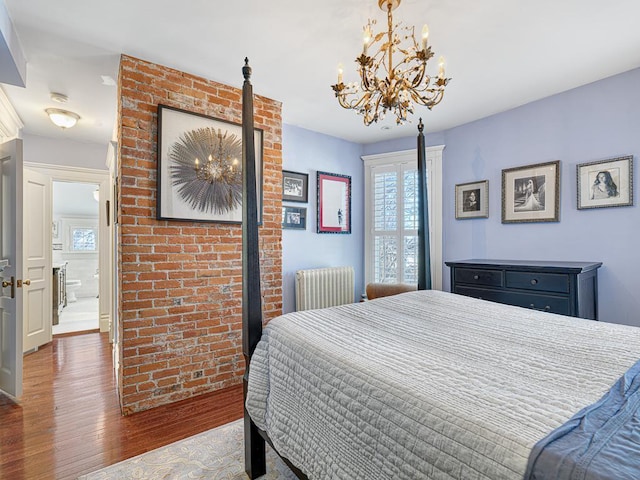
(10, 124)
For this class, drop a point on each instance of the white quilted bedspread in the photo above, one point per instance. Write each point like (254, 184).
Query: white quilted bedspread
(427, 385)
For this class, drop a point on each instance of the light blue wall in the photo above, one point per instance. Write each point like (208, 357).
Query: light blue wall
(307, 152)
(401, 144)
(594, 122)
(69, 153)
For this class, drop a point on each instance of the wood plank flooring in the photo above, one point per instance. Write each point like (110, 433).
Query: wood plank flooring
(68, 421)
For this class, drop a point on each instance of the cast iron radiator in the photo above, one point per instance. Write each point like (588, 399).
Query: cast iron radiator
(324, 287)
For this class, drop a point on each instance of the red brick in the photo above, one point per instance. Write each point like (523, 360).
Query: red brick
(181, 281)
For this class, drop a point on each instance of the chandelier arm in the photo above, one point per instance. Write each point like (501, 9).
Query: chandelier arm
(433, 97)
(417, 98)
(344, 103)
(365, 84)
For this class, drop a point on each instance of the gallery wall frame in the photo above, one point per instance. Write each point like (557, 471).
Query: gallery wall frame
(605, 183)
(295, 186)
(294, 218)
(200, 167)
(531, 193)
(472, 200)
(334, 203)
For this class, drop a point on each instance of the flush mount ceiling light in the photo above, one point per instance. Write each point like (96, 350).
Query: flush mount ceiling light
(62, 118)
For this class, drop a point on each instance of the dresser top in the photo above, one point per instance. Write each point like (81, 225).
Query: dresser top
(538, 265)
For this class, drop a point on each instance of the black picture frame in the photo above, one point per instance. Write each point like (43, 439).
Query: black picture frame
(295, 186)
(202, 191)
(531, 193)
(334, 203)
(294, 218)
(615, 189)
(472, 200)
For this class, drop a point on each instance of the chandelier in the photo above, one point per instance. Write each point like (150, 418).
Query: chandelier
(206, 169)
(406, 81)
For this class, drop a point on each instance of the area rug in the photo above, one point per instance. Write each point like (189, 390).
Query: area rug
(216, 454)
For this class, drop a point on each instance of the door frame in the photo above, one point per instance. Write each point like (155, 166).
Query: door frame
(61, 173)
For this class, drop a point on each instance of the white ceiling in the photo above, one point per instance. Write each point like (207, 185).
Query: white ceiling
(500, 53)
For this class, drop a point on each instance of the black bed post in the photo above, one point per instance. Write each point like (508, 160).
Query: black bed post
(254, 444)
(424, 248)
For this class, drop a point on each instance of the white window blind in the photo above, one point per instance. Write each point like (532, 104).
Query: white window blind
(395, 220)
(391, 209)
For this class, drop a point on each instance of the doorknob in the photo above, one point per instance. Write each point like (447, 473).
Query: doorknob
(12, 285)
(23, 282)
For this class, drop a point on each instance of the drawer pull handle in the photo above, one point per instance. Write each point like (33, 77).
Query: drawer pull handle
(476, 277)
(534, 281)
(545, 309)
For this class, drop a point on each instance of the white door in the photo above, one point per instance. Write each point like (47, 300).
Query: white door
(11, 218)
(38, 274)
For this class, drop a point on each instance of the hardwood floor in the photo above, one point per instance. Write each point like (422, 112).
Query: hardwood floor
(68, 421)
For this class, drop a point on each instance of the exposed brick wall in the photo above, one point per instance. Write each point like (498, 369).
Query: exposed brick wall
(180, 298)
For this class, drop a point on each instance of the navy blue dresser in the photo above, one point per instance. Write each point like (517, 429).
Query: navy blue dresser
(567, 288)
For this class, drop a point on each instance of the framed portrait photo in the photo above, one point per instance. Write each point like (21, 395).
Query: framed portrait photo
(472, 200)
(295, 186)
(200, 167)
(334, 203)
(294, 218)
(606, 183)
(531, 193)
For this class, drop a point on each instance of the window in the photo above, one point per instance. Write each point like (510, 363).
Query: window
(391, 209)
(83, 239)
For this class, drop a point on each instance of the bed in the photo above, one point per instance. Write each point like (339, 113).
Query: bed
(430, 384)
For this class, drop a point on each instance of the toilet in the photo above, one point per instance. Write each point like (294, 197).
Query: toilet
(72, 287)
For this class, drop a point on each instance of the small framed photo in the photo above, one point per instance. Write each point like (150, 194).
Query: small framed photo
(531, 193)
(334, 203)
(606, 183)
(472, 200)
(294, 218)
(295, 186)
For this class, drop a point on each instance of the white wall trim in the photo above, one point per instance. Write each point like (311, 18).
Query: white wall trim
(434, 166)
(10, 124)
(102, 178)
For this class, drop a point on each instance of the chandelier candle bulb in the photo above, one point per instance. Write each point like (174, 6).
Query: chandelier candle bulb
(366, 38)
(339, 73)
(441, 67)
(197, 164)
(425, 36)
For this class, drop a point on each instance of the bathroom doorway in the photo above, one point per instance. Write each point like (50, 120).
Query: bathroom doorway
(75, 257)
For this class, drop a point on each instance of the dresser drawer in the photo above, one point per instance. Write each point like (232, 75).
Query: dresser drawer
(544, 303)
(476, 276)
(546, 282)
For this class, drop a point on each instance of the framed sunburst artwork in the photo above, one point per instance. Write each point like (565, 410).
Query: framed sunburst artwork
(200, 167)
